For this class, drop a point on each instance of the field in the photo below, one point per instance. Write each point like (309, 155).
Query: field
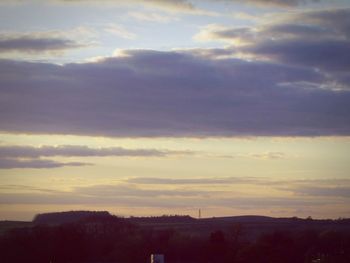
(83, 236)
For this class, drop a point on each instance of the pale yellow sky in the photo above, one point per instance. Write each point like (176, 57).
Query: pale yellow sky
(259, 175)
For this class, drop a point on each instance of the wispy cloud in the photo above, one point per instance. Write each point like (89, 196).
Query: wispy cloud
(46, 42)
(14, 156)
(121, 195)
(278, 3)
(186, 5)
(31, 157)
(210, 193)
(195, 181)
(10, 163)
(27, 188)
(323, 191)
(151, 17)
(269, 155)
(236, 36)
(119, 31)
(127, 190)
(279, 184)
(81, 151)
(35, 44)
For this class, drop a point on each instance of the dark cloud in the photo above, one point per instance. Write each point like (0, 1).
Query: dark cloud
(9, 163)
(78, 150)
(320, 25)
(318, 40)
(150, 93)
(34, 44)
(332, 55)
(304, 92)
(301, 31)
(337, 20)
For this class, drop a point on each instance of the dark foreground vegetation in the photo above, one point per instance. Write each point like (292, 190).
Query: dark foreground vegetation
(101, 237)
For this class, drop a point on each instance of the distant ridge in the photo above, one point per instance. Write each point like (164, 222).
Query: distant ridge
(57, 218)
(163, 219)
(68, 217)
(244, 218)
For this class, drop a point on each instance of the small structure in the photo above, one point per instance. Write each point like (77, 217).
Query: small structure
(157, 258)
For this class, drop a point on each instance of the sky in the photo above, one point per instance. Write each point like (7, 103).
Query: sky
(167, 107)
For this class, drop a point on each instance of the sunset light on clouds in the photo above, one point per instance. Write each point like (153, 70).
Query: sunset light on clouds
(166, 107)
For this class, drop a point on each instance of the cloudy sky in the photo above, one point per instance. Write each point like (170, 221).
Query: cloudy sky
(169, 106)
